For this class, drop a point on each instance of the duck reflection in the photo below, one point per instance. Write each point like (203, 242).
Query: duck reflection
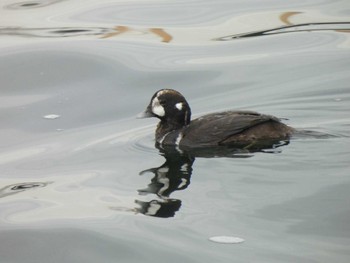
(175, 175)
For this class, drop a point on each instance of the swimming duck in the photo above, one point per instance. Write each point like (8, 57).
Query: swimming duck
(227, 128)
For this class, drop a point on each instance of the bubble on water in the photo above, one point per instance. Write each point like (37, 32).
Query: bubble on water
(51, 116)
(226, 239)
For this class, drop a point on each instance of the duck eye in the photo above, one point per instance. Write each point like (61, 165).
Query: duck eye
(162, 102)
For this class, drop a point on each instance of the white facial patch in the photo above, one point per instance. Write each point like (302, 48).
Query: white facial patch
(157, 109)
(179, 105)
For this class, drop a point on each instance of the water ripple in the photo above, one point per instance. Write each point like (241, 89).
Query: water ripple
(306, 27)
(134, 139)
(55, 32)
(20, 187)
(31, 4)
(140, 139)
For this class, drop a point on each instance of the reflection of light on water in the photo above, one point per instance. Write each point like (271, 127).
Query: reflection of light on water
(120, 21)
(20, 100)
(165, 36)
(15, 155)
(63, 198)
(226, 59)
(72, 189)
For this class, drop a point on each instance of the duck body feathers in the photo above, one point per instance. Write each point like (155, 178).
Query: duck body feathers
(229, 128)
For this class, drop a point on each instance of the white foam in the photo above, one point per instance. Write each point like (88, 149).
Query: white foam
(226, 239)
(51, 116)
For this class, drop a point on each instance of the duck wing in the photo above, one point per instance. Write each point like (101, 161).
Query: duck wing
(213, 128)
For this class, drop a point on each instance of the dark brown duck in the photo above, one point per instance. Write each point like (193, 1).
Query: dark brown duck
(228, 128)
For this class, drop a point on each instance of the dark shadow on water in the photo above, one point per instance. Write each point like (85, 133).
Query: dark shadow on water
(54, 32)
(66, 32)
(20, 187)
(31, 4)
(309, 134)
(305, 27)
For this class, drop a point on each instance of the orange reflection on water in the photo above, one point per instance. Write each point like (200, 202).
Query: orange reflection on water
(118, 30)
(284, 17)
(343, 30)
(160, 32)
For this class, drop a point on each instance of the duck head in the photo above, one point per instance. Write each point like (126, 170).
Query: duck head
(170, 107)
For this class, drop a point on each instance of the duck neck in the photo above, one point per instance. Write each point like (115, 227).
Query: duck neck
(174, 123)
(165, 127)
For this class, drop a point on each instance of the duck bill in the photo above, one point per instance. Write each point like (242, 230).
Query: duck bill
(145, 114)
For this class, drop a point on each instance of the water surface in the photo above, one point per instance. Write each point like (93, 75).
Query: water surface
(80, 178)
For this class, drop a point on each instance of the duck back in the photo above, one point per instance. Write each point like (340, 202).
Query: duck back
(233, 128)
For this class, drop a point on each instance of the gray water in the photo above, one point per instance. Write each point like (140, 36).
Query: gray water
(80, 178)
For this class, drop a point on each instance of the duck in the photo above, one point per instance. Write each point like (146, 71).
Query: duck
(232, 128)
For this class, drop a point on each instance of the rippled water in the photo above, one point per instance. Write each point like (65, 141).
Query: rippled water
(80, 178)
